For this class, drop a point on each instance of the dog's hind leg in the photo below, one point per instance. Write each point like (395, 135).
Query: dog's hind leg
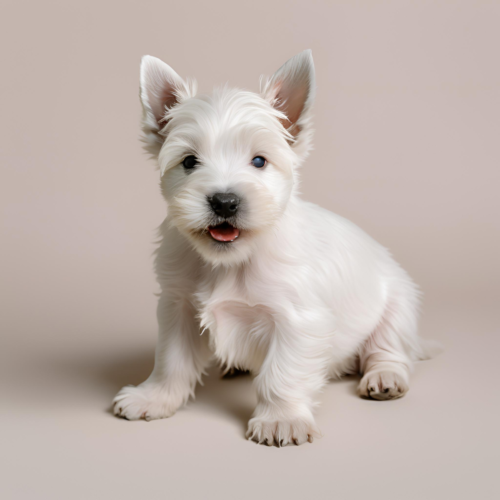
(387, 356)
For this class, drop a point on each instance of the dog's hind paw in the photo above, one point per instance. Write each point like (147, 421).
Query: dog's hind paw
(383, 385)
(148, 402)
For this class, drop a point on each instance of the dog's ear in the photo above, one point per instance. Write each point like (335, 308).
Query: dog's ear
(161, 89)
(291, 90)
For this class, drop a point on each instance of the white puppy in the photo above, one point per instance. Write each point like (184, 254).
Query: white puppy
(253, 276)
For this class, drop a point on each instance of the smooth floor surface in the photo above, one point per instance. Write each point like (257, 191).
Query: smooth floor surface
(60, 441)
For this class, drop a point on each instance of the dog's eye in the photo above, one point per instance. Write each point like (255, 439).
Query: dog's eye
(190, 162)
(259, 162)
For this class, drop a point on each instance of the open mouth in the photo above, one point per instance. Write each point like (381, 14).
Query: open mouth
(224, 232)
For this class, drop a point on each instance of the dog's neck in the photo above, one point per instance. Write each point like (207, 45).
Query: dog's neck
(268, 246)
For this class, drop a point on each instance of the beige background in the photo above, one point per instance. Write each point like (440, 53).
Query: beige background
(407, 146)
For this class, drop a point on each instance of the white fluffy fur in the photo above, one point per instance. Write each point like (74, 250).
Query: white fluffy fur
(301, 296)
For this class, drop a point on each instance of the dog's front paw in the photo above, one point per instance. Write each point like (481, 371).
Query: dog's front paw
(383, 385)
(282, 432)
(146, 401)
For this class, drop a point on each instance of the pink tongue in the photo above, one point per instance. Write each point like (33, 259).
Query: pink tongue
(224, 232)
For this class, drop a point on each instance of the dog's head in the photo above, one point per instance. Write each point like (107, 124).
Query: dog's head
(228, 160)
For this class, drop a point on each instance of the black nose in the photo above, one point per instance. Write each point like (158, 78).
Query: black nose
(224, 204)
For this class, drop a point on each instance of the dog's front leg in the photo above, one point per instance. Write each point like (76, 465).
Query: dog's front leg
(181, 356)
(291, 374)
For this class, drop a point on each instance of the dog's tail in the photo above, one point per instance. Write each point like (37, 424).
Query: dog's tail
(428, 349)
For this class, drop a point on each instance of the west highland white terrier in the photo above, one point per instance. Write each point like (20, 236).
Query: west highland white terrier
(251, 275)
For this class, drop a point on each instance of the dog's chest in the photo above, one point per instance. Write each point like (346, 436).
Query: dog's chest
(239, 324)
